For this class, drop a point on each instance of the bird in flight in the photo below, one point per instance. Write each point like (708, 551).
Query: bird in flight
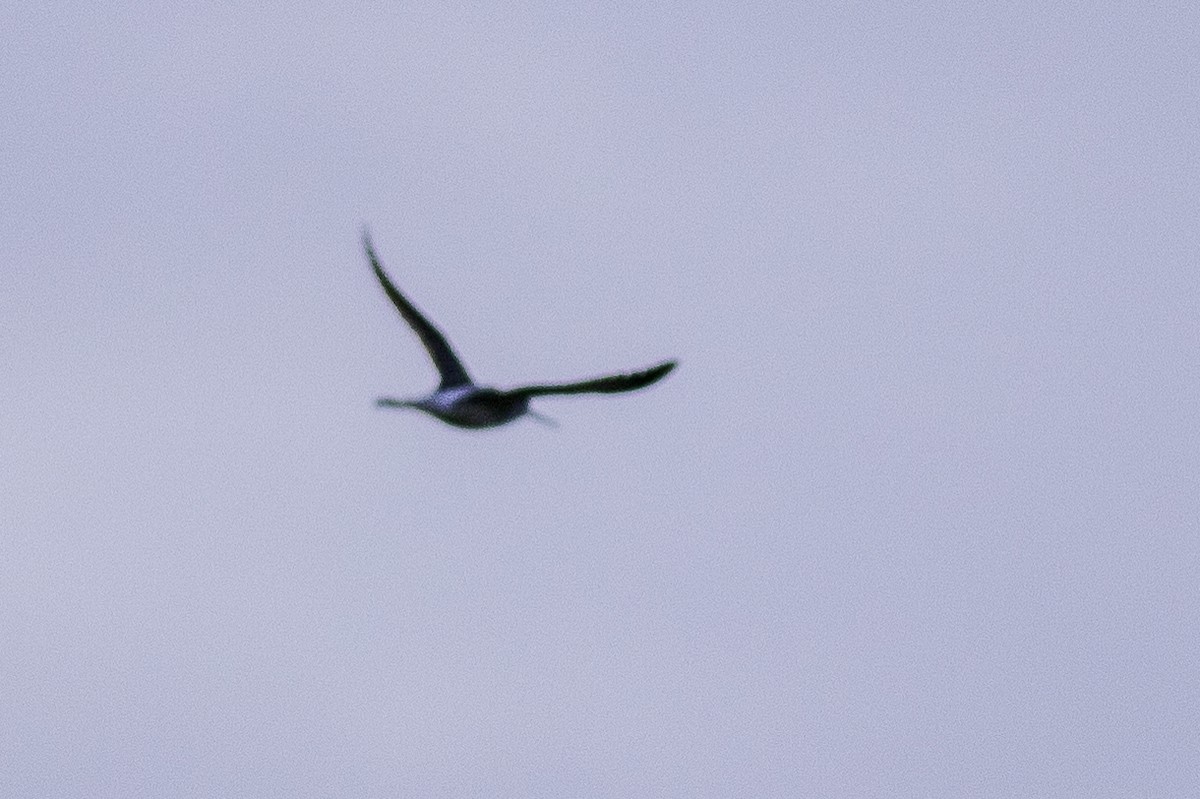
(459, 401)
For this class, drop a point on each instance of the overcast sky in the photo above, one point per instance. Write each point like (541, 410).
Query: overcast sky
(916, 515)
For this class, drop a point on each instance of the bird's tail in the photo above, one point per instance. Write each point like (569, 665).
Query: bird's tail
(546, 420)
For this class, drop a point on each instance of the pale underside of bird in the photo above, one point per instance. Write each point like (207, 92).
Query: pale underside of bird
(460, 401)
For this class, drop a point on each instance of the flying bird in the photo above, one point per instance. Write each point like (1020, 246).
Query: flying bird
(459, 401)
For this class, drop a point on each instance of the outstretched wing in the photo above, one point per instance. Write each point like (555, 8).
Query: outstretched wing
(612, 384)
(451, 369)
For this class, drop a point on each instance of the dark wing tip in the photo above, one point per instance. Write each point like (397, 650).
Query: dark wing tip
(388, 287)
(655, 373)
(368, 246)
(664, 368)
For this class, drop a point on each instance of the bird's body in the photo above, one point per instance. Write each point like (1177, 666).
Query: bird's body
(466, 406)
(459, 401)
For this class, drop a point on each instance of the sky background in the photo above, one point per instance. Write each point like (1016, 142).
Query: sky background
(916, 515)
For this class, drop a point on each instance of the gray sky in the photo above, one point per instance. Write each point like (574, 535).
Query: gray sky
(915, 517)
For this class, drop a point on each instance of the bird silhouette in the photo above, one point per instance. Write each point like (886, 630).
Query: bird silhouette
(461, 402)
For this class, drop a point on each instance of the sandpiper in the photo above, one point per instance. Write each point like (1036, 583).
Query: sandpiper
(460, 401)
